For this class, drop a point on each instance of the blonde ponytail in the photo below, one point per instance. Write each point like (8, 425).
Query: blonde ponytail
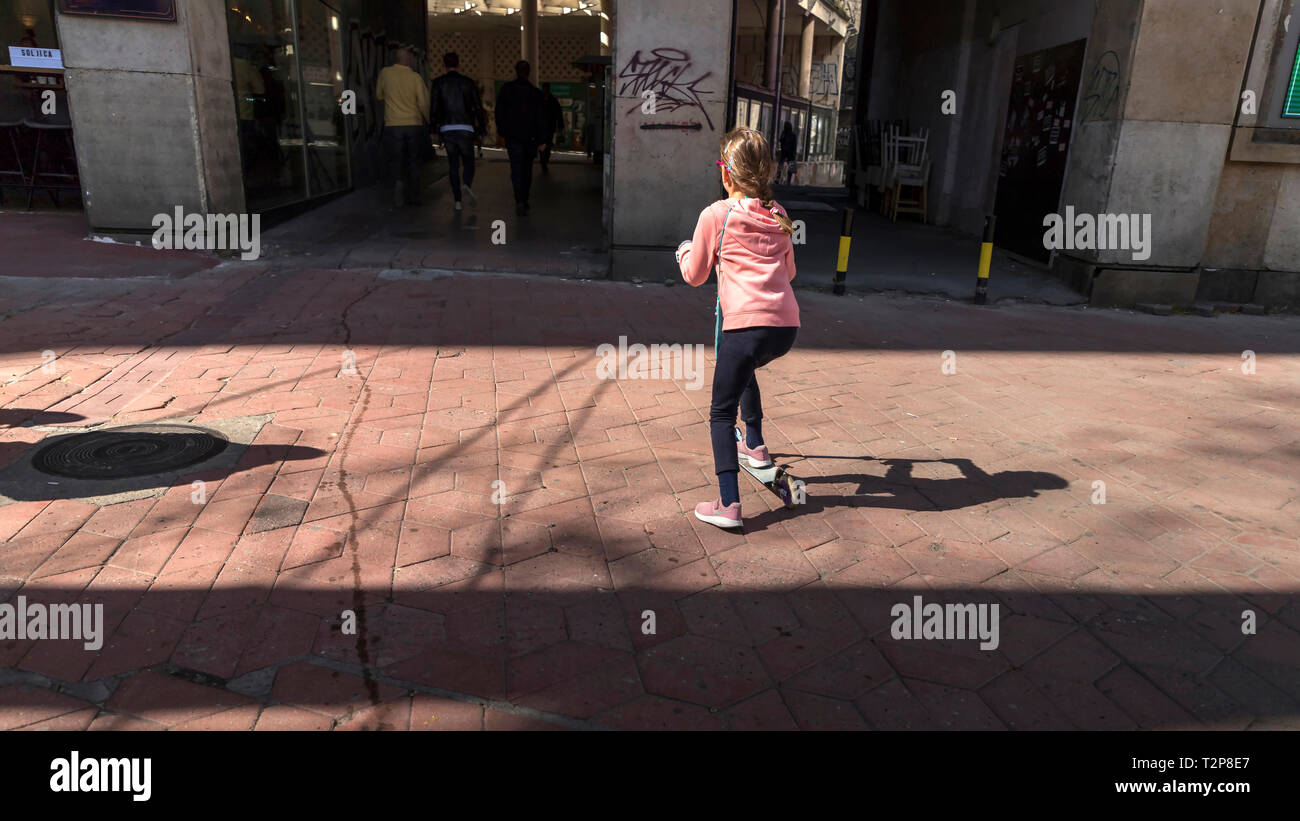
(787, 224)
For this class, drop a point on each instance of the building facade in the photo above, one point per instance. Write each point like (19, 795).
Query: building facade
(1174, 110)
(1183, 115)
(212, 106)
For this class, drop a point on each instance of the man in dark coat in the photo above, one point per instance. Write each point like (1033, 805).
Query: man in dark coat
(789, 144)
(521, 120)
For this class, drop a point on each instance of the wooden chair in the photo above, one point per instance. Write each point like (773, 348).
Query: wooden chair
(888, 157)
(911, 170)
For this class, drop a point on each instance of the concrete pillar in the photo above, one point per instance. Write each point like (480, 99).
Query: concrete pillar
(606, 27)
(153, 114)
(529, 44)
(947, 189)
(1155, 119)
(657, 166)
(775, 8)
(806, 56)
(837, 56)
(487, 62)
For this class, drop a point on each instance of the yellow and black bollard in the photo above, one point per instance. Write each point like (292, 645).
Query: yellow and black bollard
(986, 260)
(842, 262)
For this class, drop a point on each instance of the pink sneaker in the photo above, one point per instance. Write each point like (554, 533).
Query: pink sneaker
(715, 514)
(758, 457)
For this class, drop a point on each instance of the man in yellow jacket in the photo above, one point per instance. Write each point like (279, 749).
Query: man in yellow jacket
(406, 106)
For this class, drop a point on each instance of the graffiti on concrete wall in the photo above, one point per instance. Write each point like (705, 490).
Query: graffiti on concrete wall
(670, 77)
(365, 54)
(1103, 87)
(825, 80)
(789, 81)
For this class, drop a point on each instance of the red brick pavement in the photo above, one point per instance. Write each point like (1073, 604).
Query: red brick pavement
(376, 492)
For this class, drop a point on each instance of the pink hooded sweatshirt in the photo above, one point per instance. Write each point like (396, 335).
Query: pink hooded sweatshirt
(757, 263)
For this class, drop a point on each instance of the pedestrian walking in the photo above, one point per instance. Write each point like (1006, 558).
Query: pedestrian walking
(789, 144)
(406, 103)
(455, 112)
(747, 237)
(521, 120)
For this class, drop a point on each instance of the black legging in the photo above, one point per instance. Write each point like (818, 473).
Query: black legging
(740, 353)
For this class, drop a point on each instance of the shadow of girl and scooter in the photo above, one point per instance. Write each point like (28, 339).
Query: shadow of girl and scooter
(898, 488)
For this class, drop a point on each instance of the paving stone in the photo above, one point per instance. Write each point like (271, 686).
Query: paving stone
(495, 520)
(275, 512)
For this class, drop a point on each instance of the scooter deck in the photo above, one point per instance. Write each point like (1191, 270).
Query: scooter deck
(775, 477)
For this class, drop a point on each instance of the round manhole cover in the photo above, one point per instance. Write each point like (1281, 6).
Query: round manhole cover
(129, 451)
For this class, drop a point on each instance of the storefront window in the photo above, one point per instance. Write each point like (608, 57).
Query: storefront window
(287, 68)
(798, 120)
(753, 112)
(27, 23)
(821, 140)
(38, 162)
(264, 68)
(321, 60)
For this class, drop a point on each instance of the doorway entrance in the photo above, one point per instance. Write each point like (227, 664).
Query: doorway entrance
(1035, 145)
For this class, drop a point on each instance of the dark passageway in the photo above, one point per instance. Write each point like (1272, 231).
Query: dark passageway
(363, 230)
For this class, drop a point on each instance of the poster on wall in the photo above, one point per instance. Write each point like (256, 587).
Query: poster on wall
(131, 9)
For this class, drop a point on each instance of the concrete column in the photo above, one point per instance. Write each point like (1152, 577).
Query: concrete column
(529, 45)
(772, 66)
(655, 166)
(1155, 119)
(153, 115)
(487, 52)
(606, 27)
(806, 55)
(487, 60)
(838, 58)
(947, 189)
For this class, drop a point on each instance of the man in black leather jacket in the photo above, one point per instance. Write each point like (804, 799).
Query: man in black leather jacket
(455, 113)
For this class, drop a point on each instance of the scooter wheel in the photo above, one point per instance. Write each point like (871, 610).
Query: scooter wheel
(783, 488)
